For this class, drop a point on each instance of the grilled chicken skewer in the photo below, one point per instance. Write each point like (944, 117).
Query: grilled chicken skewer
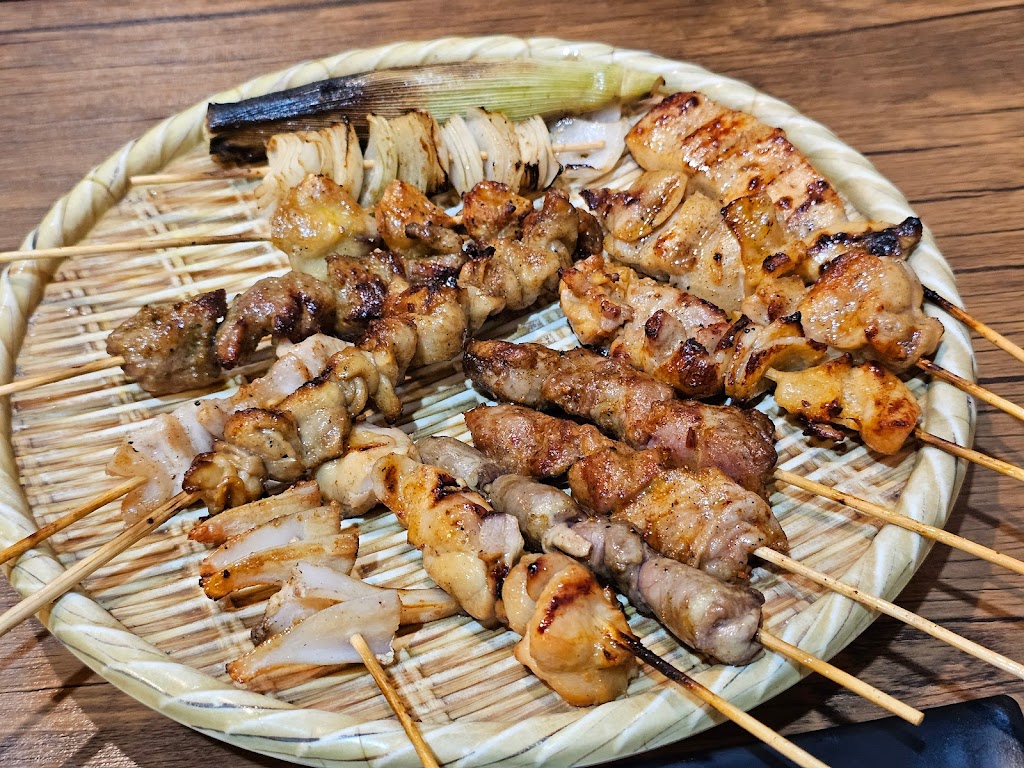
(708, 615)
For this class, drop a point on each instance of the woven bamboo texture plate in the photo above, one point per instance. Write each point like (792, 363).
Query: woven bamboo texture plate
(142, 621)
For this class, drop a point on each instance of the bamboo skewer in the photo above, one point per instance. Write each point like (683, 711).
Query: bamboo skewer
(20, 385)
(85, 567)
(976, 457)
(373, 666)
(129, 246)
(976, 325)
(258, 172)
(20, 547)
(891, 609)
(744, 720)
(972, 389)
(836, 675)
(928, 531)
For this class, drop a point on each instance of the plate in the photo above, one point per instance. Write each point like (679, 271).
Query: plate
(142, 622)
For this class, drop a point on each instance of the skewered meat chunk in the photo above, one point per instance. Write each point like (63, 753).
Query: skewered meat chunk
(436, 313)
(636, 212)
(737, 154)
(629, 404)
(348, 479)
(700, 518)
(531, 443)
(876, 237)
(491, 210)
(468, 549)
(412, 226)
(319, 217)
(170, 347)
(711, 616)
(866, 398)
(569, 627)
(217, 529)
(871, 304)
(294, 306)
(360, 288)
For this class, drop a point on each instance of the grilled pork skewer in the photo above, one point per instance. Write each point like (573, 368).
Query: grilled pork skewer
(696, 608)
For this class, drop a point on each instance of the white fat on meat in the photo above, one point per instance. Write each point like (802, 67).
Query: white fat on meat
(348, 480)
(217, 529)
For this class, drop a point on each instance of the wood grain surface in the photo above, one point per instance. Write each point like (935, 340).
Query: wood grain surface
(931, 92)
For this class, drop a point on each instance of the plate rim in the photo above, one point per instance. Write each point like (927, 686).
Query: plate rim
(268, 726)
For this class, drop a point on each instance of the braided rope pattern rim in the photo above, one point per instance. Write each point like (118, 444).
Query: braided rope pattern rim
(645, 721)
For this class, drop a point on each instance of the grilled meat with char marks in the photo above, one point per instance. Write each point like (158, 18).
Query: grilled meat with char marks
(170, 347)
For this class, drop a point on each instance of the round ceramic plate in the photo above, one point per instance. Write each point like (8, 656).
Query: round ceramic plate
(142, 621)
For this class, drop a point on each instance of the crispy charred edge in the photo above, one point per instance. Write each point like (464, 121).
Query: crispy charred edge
(897, 241)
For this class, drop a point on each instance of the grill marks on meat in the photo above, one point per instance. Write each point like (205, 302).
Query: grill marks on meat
(544, 450)
(169, 347)
(294, 306)
(628, 404)
(736, 155)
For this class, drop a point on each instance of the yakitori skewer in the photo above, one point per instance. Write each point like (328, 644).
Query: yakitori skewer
(976, 325)
(891, 609)
(745, 721)
(875, 510)
(85, 567)
(976, 457)
(254, 174)
(380, 677)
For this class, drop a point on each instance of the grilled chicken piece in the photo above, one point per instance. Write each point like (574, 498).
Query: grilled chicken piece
(170, 347)
(468, 549)
(636, 212)
(294, 306)
(569, 627)
(491, 210)
(755, 349)
(878, 238)
(348, 479)
(311, 588)
(412, 226)
(866, 398)
(319, 217)
(324, 638)
(438, 318)
(736, 154)
(271, 567)
(710, 616)
(872, 305)
(361, 287)
(629, 404)
(701, 518)
(528, 442)
(295, 365)
(217, 529)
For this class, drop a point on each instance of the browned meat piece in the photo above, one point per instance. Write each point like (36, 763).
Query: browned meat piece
(876, 237)
(607, 480)
(590, 239)
(628, 404)
(294, 306)
(528, 442)
(360, 289)
(225, 477)
(316, 218)
(569, 627)
(636, 212)
(437, 315)
(711, 616)
(491, 210)
(170, 347)
(701, 518)
(412, 226)
(737, 154)
(871, 305)
(865, 398)
(272, 437)
(319, 410)
(461, 461)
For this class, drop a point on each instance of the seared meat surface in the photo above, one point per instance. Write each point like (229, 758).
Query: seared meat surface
(294, 306)
(628, 404)
(170, 347)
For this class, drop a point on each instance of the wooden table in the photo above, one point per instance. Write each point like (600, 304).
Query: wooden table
(932, 92)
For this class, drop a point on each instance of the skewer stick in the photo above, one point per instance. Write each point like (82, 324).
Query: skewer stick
(977, 457)
(983, 330)
(380, 677)
(928, 531)
(845, 679)
(972, 389)
(890, 609)
(67, 373)
(129, 246)
(20, 547)
(83, 568)
(745, 721)
(252, 174)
